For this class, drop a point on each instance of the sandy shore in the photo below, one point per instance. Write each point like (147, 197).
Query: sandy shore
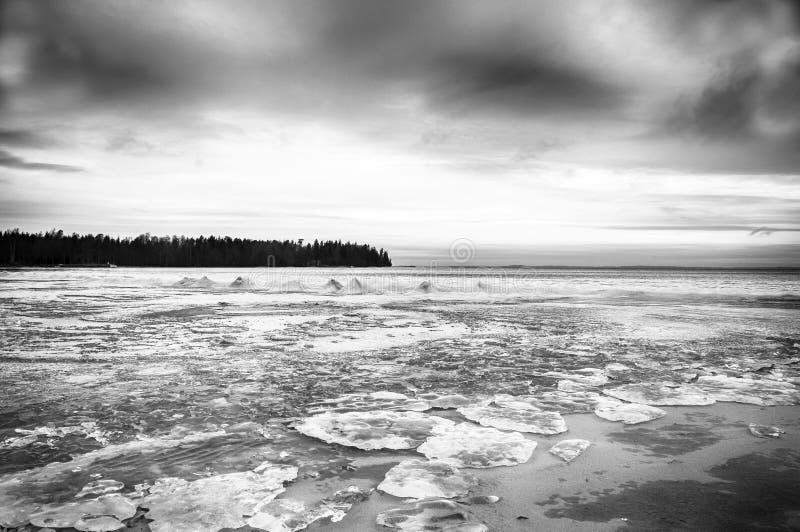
(696, 468)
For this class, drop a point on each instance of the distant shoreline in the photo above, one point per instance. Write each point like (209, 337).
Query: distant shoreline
(755, 269)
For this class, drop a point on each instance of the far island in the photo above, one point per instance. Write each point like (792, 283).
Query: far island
(56, 248)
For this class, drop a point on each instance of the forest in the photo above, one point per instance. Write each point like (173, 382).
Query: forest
(56, 248)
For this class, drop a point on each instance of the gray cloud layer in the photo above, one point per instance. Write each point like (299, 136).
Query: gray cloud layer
(515, 65)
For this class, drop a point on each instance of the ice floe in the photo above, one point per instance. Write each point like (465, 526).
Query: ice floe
(377, 429)
(628, 413)
(211, 503)
(88, 429)
(587, 376)
(467, 445)
(434, 515)
(763, 392)
(575, 402)
(372, 401)
(520, 419)
(765, 431)
(569, 450)
(436, 400)
(69, 514)
(661, 394)
(423, 479)
(289, 515)
(707, 389)
(100, 487)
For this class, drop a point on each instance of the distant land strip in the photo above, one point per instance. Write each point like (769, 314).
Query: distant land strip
(56, 248)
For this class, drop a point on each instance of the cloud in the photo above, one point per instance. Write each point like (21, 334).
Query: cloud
(22, 137)
(9, 160)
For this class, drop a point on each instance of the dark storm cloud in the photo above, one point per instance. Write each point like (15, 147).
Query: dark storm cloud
(521, 84)
(9, 160)
(511, 66)
(22, 137)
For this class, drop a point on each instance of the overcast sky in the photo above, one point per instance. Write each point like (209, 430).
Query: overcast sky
(546, 132)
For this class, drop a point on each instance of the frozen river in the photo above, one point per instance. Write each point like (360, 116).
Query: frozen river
(192, 399)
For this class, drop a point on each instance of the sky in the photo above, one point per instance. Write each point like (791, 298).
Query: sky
(581, 132)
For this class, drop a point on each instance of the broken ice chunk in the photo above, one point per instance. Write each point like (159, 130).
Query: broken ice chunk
(661, 394)
(448, 401)
(765, 431)
(523, 420)
(628, 413)
(762, 392)
(211, 503)
(466, 445)
(569, 450)
(100, 487)
(372, 401)
(68, 514)
(422, 479)
(434, 515)
(377, 429)
(100, 523)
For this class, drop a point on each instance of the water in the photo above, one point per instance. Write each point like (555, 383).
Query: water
(141, 375)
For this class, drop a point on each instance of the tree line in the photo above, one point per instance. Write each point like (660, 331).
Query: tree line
(54, 248)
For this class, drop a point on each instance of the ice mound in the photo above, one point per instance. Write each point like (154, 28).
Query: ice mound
(466, 445)
(354, 286)
(587, 376)
(289, 515)
(100, 487)
(189, 282)
(333, 286)
(762, 392)
(371, 401)
(521, 419)
(423, 479)
(434, 515)
(426, 287)
(82, 515)
(88, 429)
(569, 450)
(436, 400)
(628, 413)
(241, 282)
(371, 430)
(661, 394)
(208, 504)
(765, 431)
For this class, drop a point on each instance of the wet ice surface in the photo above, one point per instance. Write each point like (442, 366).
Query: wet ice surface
(137, 383)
